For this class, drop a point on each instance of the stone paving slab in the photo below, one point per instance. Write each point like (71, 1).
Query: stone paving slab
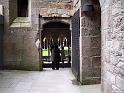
(47, 81)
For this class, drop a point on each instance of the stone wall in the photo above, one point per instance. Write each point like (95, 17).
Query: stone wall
(90, 46)
(112, 46)
(48, 8)
(20, 51)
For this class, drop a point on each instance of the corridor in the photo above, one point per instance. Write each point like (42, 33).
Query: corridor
(47, 81)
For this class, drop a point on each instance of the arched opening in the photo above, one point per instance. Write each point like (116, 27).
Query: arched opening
(51, 41)
(59, 42)
(65, 42)
(84, 41)
(56, 25)
(45, 43)
(56, 32)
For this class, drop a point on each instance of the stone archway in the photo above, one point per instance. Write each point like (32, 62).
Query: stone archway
(55, 30)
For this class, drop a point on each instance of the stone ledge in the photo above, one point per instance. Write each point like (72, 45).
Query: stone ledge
(21, 22)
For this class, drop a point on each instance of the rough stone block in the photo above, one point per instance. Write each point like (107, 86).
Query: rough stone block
(90, 52)
(107, 87)
(106, 19)
(96, 42)
(90, 32)
(120, 82)
(96, 62)
(116, 89)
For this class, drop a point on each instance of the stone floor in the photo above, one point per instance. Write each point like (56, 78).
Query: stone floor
(47, 81)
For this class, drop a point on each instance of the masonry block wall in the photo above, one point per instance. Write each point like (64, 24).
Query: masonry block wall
(112, 46)
(20, 51)
(91, 46)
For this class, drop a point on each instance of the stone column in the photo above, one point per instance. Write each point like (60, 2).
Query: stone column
(112, 17)
(90, 46)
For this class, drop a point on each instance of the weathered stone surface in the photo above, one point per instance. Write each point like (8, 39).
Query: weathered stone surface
(53, 8)
(120, 82)
(113, 43)
(91, 46)
(116, 89)
(91, 52)
(63, 10)
(96, 61)
(89, 41)
(106, 88)
(20, 51)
